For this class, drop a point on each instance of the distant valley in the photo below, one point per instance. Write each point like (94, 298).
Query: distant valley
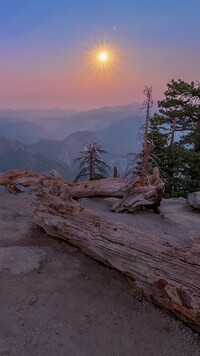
(52, 139)
(15, 155)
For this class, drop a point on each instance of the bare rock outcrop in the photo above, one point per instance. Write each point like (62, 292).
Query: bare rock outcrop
(194, 200)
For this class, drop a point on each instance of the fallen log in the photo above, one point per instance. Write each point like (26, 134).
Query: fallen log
(136, 194)
(168, 274)
(110, 187)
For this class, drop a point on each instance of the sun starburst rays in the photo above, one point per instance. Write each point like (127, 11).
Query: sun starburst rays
(102, 59)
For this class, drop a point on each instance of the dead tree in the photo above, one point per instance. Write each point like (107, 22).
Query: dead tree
(90, 162)
(140, 162)
(147, 104)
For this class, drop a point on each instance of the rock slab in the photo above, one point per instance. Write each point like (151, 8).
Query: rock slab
(17, 259)
(194, 200)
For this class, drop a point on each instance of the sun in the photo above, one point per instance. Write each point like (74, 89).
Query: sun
(102, 60)
(103, 56)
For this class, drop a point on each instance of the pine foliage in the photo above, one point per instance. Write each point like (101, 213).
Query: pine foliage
(175, 137)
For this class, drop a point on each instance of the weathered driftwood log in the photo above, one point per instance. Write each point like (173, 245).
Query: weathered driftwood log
(103, 188)
(19, 177)
(167, 274)
(146, 192)
(136, 194)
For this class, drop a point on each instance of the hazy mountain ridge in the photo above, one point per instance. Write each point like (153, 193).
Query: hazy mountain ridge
(118, 140)
(94, 120)
(20, 129)
(60, 140)
(14, 154)
(34, 114)
(31, 125)
(66, 150)
(124, 136)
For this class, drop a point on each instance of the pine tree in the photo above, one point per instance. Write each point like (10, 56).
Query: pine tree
(175, 133)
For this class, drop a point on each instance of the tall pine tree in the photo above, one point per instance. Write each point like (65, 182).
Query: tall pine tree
(175, 133)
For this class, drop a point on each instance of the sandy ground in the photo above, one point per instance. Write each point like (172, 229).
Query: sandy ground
(55, 301)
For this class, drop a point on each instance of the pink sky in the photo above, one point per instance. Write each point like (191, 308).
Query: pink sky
(82, 87)
(45, 47)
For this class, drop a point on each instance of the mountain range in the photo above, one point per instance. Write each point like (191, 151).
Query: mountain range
(15, 155)
(55, 137)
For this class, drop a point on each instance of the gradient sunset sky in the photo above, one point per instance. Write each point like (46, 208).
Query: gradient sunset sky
(48, 50)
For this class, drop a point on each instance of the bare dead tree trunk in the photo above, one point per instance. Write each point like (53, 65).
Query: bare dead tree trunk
(198, 124)
(172, 136)
(197, 136)
(91, 166)
(147, 104)
(170, 153)
(115, 172)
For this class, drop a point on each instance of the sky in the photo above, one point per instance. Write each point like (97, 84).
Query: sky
(49, 50)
